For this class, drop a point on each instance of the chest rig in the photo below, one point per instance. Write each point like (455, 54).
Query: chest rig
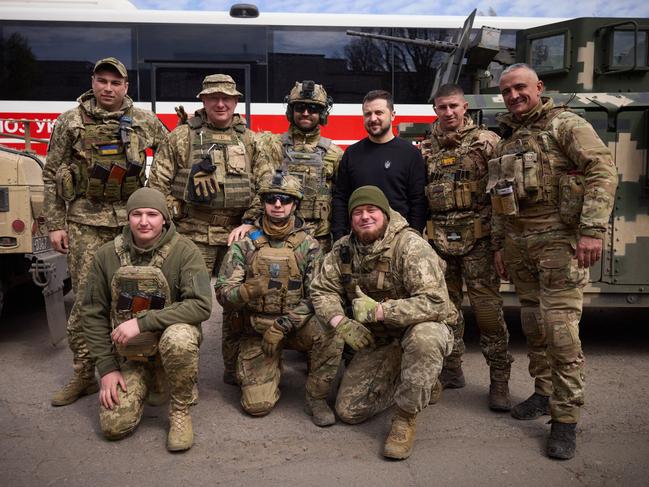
(311, 168)
(223, 153)
(114, 164)
(135, 289)
(278, 269)
(525, 178)
(377, 278)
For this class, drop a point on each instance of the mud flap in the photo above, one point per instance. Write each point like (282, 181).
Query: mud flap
(49, 271)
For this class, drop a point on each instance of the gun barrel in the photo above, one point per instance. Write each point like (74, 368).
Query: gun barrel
(437, 45)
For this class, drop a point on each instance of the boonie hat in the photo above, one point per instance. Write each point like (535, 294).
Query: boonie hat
(114, 63)
(219, 83)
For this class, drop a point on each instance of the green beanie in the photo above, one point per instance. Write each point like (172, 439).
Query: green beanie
(148, 198)
(368, 195)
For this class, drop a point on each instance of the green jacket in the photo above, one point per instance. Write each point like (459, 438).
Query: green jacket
(188, 280)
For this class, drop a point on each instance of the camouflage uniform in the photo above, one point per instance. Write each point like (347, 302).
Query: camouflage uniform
(74, 150)
(208, 227)
(174, 269)
(553, 181)
(258, 373)
(403, 273)
(456, 167)
(299, 153)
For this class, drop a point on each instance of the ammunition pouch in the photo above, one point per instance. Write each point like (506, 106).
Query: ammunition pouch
(446, 194)
(66, 182)
(571, 198)
(455, 234)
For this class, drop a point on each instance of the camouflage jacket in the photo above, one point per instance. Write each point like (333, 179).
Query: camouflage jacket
(66, 146)
(272, 159)
(465, 152)
(569, 144)
(235, 268)
(175, 153)
(414, 288)
(184, 270)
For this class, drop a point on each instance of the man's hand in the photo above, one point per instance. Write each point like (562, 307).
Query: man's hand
(124, 332)
(238, 233)
(589, 251)
(354, 334)
(499, 263)
(108, 390)
(365, 308)
(59, 241)
(271, 340)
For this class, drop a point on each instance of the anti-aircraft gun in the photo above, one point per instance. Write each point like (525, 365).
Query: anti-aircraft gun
(599, 67)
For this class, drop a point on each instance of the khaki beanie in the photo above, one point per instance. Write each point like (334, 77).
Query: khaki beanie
(148, 198)
(368, 195)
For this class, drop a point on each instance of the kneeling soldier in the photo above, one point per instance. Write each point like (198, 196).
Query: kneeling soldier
(268, 275)
(148, 292)
(382, 289)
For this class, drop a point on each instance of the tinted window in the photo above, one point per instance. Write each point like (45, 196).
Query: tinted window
(51, 62)
(548, 53)
(623, 48)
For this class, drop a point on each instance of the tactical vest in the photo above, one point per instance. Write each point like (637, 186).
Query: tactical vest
(311, 169)
(139, 288)
(523, 180)
(226, 153)
(381, 282)
(278, 269)
(115, 166)
(455, 193)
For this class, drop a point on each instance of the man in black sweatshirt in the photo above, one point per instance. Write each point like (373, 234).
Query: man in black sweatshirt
(382, 160)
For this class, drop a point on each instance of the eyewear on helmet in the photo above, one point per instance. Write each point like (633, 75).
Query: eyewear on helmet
(283, 198)
(310, 107)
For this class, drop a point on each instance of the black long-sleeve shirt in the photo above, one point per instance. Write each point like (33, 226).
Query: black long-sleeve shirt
(396, 167)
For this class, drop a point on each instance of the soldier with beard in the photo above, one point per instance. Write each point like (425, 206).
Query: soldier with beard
(95, 160)
(382, 290)
(267, 275)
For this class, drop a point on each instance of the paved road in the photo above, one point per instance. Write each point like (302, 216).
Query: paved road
(459, 441)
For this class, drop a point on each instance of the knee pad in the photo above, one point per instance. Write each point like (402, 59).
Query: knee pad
(259, 400)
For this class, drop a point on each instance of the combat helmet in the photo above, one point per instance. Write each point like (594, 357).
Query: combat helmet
(308, 91)
(281, 183)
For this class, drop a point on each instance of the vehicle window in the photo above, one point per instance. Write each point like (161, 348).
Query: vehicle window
(623, 48)
(548, 53)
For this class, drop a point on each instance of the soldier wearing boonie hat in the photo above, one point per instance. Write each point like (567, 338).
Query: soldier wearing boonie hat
(219, 83)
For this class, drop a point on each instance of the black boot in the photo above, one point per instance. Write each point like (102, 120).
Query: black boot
(562, 441)
(452, 378)
(533, 407)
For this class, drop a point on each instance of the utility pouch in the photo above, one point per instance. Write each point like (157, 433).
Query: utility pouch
(235, 159)
(463, 195)
(218, 162)
(503, 199)
(511, 170)
(530, 171)
(571, 198)
(96, 180)
(453, 236)
(65, 183)
(441, 195)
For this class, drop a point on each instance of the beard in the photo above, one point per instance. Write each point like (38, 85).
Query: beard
(366, 237)
(383, 129)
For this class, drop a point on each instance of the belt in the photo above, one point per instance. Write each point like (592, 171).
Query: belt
(213, 219)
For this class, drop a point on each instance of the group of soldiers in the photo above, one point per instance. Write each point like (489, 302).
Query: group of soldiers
(322, 251)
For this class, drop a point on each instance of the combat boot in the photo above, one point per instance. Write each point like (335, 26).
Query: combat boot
(181, 433)
(320, 412)
(533, 407)
(230, 377)
(81, 384)
(499, 398)
(563, 441)
(401, 439)
(435, 392)
(452, 378)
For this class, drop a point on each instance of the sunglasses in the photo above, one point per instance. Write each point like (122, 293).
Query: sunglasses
(309, 107)
(283, 199)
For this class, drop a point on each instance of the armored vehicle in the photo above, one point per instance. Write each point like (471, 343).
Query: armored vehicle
(25, 251)
(599, 67)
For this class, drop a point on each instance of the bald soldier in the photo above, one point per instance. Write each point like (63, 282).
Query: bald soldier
(552, 185)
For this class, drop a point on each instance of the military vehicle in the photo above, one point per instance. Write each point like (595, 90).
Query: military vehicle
(25, 251)
(599, 67)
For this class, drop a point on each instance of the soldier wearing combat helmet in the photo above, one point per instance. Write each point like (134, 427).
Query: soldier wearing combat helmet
(267, 275)
(205, 168)
(305, 154)
(552, 185)
(95, 161)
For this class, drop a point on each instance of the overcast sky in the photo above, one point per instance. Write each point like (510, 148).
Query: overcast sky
(516, 8)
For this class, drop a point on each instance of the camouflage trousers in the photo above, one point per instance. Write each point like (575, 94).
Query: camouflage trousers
(259, 374)
(550, 286)
(177, 360)
(400, 371)
(84, 242)
(478, 271)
